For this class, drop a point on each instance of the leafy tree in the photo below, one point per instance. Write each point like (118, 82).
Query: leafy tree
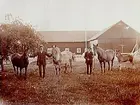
(17, 36)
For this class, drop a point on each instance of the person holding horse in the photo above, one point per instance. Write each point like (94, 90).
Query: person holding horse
(41, 60)
(89, 60)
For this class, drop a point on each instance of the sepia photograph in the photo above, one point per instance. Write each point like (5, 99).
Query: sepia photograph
(69, 52)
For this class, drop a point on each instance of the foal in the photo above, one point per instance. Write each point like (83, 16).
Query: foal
(124, 58)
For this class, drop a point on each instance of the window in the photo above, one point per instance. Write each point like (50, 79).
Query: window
(78, 50)
(49, 50)
(67, 49)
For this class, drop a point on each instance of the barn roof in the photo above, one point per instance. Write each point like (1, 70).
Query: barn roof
(66, 36)
(121, 23)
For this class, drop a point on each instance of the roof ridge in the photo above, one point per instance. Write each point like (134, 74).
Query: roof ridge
(106, 29)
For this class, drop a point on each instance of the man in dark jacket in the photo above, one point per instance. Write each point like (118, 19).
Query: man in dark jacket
(89, 60)
(41, 60)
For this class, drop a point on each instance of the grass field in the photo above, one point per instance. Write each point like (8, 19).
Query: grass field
(74, 88)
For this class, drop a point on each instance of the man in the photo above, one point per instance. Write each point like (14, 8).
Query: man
(41, 60)
(89, 60)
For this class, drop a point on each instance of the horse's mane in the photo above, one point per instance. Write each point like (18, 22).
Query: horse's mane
(18, 55)
(56, 53)
(100, 51)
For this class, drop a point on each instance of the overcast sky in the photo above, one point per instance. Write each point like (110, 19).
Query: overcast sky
(53, 15)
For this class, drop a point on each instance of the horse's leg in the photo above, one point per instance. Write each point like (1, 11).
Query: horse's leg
(104, 66)
(65, 71)
(112, 63)
(101, 66)
(108, 65)
(120, 66)
(17, 70)
(20, 71)
(131, 61)
(14, 68)
(1, 67)
(56, 69)
(71, 65)
(59, 69)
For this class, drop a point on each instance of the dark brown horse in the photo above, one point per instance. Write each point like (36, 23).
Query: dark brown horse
(20, 61)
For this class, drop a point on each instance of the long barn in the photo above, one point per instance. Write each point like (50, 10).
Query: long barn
(68, 40)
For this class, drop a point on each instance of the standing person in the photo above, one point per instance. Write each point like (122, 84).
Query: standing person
(41, 60)
(89, 60)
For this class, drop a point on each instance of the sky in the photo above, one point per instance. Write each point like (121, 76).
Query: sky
(70, 15)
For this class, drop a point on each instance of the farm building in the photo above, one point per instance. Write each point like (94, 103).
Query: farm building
(68, 40)
(119, 36)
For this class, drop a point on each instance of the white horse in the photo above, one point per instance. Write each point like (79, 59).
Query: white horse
(62, 59)
(67, 58)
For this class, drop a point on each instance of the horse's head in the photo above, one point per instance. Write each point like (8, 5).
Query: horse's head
(117, 52)
(25, 56)
(95, 49)
(56, 53)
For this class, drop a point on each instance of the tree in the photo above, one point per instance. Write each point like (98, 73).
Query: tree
(17, 36)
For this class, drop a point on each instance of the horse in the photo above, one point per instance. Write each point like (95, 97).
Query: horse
(20, 61)
(67, 58)
(124, 58)
(104, 56)
(61, 59)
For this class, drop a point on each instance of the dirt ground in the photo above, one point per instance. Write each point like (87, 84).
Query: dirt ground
(73, 88)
